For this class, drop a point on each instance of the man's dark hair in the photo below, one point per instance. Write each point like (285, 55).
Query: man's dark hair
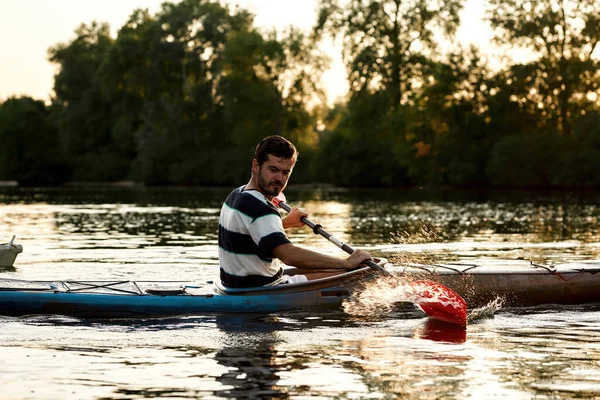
(275, 145)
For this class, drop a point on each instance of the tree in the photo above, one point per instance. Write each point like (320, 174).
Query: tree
(389, 49)
(30, 153)
(386, 44)
(447, 129)
(268, 83)
(562, 36)
(206, 86)
(82, 110)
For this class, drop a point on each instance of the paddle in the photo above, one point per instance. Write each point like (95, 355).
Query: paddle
(436, 300)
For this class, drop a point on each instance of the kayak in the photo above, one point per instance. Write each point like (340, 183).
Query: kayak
(121, 299)
(9, 252)
(516, 284)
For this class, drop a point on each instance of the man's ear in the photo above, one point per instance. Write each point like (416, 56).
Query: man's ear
(255, 166)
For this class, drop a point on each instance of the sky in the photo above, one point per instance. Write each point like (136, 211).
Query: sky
(28, 28)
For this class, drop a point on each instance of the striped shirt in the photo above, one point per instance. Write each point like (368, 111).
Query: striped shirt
(250, 228)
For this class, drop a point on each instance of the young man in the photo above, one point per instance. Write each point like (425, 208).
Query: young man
(252, 236)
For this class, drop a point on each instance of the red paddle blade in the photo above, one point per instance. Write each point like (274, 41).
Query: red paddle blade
(440, 302)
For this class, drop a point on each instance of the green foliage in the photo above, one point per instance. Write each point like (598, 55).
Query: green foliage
(562, 37)
(362, 150)
(181, 97)
(448, 125)
(526, 160)
(387, 48)
(29, 151)
(454, 121)
(83, 111)
(581, 160)
(386, 44)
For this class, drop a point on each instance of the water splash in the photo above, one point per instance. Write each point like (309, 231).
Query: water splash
(422, 234)
(377, 298)
(487, 311)
(405, 257)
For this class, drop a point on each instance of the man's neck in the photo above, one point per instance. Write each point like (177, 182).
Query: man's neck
(252, 185)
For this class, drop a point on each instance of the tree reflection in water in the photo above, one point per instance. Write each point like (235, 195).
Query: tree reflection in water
(249, 354)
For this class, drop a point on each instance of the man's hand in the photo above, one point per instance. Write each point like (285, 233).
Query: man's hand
(357, 258)
(292, 220)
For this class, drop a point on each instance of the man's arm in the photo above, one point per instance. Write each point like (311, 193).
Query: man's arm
(307, 259)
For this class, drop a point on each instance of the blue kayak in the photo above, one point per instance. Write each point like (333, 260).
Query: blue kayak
(120, 299)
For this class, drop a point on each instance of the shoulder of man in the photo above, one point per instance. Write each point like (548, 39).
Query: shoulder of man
(251, 203)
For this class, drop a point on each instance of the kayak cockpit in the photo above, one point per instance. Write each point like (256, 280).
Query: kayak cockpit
(316, 280)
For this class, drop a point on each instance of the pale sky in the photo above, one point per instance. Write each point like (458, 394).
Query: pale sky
(28, 28)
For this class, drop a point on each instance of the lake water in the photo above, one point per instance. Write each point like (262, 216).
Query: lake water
(171, 234)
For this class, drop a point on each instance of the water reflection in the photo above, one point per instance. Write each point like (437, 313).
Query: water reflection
(440, 331)
(169, 225)
(478, 222)
(518, 355)
(538, 351)
(251, 371)
(400, 367)
(260, 363)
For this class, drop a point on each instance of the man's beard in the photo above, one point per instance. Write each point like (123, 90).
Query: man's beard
(264, 187)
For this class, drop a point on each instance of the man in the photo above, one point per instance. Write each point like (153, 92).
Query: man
(252, 236)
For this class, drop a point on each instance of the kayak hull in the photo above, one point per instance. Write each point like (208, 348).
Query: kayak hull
(516, 284)
(119, 306)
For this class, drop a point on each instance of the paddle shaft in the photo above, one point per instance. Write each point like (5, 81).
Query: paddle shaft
(318, 230)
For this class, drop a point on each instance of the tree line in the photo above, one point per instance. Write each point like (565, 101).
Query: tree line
(181, 97)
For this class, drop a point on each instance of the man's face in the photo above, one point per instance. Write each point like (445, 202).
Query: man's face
(273, 175)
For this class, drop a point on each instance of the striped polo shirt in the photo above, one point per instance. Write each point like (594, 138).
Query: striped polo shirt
(250, 227)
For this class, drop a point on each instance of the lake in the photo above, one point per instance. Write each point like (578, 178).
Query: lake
(137, 233)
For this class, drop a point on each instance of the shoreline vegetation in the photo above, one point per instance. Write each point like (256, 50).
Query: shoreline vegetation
(182, 96)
